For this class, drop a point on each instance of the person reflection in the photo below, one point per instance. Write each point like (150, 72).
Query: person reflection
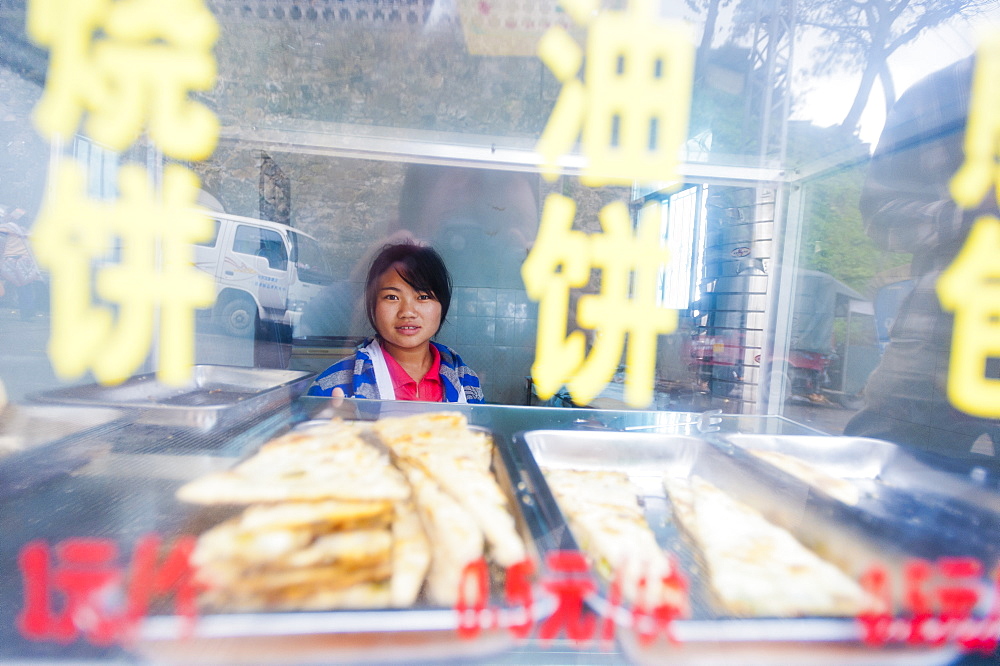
(482, 223)
(907, 207)
(407, 296)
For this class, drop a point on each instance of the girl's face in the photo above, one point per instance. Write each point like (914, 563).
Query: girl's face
(404, 317)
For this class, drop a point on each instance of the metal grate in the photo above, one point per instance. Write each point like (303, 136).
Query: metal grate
(388, 13)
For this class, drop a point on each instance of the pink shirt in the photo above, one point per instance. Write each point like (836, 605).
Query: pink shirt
(406, 388)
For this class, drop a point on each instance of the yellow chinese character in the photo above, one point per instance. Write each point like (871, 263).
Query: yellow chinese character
(633, 112)
(137, 253)
(558, 262)
(628, 302)
(126, 64)
(971, 288)
(979, 171)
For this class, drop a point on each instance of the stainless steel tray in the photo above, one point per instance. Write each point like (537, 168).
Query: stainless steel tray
(421, 633)
(39, 442)
(897, 497)
(218, 396)
(709, 635)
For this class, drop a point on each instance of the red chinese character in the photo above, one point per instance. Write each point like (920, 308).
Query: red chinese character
(650, 622)
(876, 619)
(570, 590)
(614, 604)
(175, 574)
(952, 598)
(986, 640)
(85, 574)
(916, 574)
(85, 586)
(958, 595)
(470, 614)
(517, 592)
(955, 591)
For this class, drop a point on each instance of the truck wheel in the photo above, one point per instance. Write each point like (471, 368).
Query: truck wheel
(238, 318)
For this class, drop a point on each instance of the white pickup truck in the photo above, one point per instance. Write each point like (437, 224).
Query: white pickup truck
(265, 272)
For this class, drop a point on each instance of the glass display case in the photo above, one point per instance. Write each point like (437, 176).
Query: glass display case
(793, 199)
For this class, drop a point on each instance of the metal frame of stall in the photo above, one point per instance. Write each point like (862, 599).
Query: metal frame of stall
(518, 154)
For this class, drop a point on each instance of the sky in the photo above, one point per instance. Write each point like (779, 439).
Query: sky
(826, 100)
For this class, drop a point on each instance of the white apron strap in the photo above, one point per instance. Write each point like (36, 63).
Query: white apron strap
(382, 378)
(384, 381)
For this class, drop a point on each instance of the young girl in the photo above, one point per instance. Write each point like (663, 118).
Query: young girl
(407, 295)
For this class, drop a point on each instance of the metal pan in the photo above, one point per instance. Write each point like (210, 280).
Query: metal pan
(40, 442)
(710, 635)
(927, 512)
(421, 633)
(217, 397)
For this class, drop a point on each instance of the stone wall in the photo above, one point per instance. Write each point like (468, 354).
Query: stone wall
(399, 65)
(362, 69)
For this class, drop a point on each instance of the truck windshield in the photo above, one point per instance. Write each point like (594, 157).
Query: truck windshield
(309, 260)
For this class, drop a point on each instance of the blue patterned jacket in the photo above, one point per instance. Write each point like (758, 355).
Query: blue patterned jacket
(355, 375)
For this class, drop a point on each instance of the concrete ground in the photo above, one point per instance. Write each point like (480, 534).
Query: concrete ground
(830, 419)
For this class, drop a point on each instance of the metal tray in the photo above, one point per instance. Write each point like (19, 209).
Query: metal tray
(421, 633)
(218, 396)
(40, 442)
(710, 636)
(898, 498)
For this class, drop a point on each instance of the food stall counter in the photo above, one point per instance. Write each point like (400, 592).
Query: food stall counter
(128, 492)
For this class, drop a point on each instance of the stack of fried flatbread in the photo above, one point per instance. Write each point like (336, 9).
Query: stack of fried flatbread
(335, 521)
(457, 496)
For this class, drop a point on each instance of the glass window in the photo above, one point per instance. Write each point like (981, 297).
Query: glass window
(310, 263)
(102, 167)
(830, 264)
(210, 242)
(261, 243)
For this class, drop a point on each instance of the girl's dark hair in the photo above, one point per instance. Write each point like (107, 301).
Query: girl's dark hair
(420, 266)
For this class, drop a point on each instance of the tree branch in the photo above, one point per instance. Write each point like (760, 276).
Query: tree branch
(923, 22)
(888, 85)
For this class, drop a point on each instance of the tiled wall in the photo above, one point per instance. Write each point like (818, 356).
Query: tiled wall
(493, 330)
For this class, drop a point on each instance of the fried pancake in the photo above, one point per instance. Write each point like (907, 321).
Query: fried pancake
(331, 577)
(316, 464)
(411, 555)
(441, 433)
(327, 515)
(757, 568)
(603, 513)
(228, 555)
(354, 515)
(458, 461)
(302, 597)
(455, 538)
